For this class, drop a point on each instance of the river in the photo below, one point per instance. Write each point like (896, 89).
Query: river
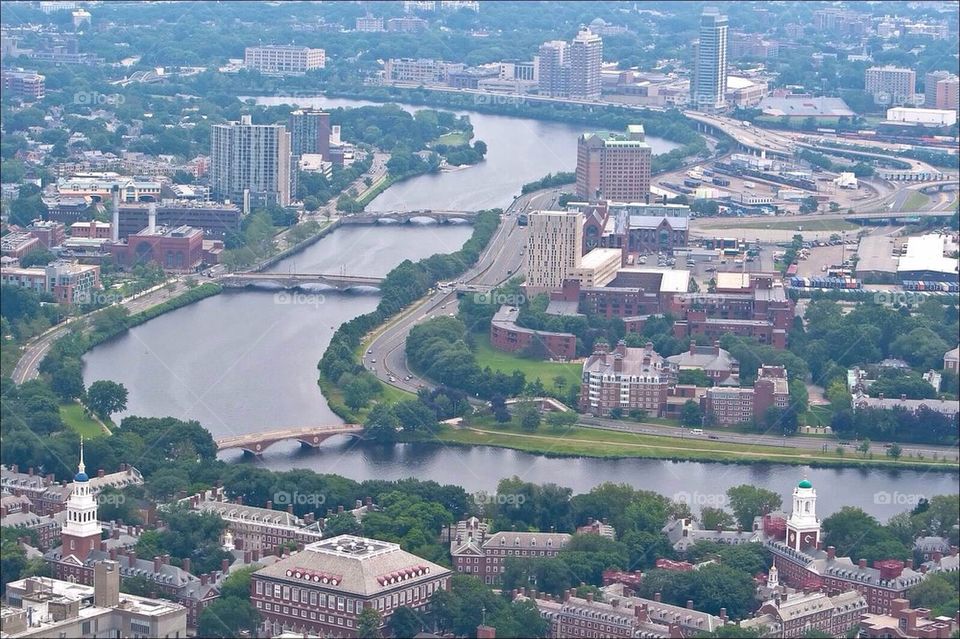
(518, 151)
(245, 361)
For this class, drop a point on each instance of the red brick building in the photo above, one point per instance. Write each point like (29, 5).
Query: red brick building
(477, 551)
(179, 249)
(625, 379)
(904, 621)
(322, 589)
(507, 336)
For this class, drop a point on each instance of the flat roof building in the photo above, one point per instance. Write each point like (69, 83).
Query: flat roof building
(614, 166)
(282, 59)
(891, 85)
(251, 160)
(554, 248)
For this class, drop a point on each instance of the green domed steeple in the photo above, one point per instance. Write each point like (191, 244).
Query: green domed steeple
(805, 483)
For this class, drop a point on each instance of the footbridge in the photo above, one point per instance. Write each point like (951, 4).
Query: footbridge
(404, 217)
(309, 437)
(296, 280)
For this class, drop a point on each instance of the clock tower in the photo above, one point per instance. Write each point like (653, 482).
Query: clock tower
(803, 527)
(81, 533)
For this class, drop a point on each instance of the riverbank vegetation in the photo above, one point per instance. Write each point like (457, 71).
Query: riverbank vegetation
(406, 283)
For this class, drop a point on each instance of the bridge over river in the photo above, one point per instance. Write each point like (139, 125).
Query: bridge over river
(403, 217)
(296, 280)
(309, 437)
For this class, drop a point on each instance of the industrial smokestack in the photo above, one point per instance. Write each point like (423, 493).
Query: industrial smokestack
(152, 218)
(115, 227)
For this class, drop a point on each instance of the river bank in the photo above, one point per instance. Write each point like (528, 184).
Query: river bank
(596, 443)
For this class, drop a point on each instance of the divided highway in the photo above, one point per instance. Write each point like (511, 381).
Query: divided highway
(502, 258)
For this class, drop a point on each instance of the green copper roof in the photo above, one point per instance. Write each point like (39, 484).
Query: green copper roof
(805, 484)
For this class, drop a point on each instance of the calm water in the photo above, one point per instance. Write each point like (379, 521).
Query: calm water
(518, 151)
(246, 361)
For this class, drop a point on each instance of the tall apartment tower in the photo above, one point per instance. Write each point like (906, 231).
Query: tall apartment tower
(554, 248)
(614, 166)
(253, 158)
(586, 59)
(710, 62)
(554, 73)
(941, 90)
(891, 85)
(310, 132)
(81, 532)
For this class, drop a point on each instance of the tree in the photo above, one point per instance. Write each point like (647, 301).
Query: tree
(381, 425)
(560, 420)
(938, 593)
(714, 518)
(691, 415)
(105, 397)
(864, 446)
(342, 524)
(748, 502)
(894, 451)
(406, 622)
(228, 617)
(368, 623)
(529, 416)
(37, 257)
(67, 380)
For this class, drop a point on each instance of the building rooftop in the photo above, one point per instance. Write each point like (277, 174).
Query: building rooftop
(804, 106)
(352, 564)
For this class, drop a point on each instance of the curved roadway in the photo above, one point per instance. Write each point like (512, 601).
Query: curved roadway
(502, 258)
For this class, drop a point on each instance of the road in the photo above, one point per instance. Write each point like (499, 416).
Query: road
(386, 356)
(27, 367)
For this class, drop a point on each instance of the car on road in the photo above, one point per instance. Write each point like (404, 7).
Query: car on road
(712, 437)
(408, 378)
(373, 360)
(369, 351)
(392, 378)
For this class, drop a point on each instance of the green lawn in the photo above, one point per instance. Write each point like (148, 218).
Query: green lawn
(818, 416)
(454, 138)
(532, 369)
(74, 416)
(592, 442)
(915, 201)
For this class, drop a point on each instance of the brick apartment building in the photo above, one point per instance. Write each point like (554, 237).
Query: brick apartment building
(477, 551)
(625, 379)
(903, 621)
(507, 336)
(614, 166)
(796, 614)
(322, 589)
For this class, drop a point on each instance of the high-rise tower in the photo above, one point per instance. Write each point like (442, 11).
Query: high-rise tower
(710, 62)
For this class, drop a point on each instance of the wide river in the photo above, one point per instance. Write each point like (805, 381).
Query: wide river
(246, 361)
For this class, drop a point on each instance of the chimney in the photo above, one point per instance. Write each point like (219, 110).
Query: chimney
(185, 564)
(723, 614)
(106, 584)
(358, 504)
(152, 217)
(486, 632)
(269, 505)
(240, 500)
(157, 562)
(831, 552)
(15, 468)
(290, 509)
(903, 397)
(614, 603)
(339, 509)
(937, 556)
(132, 555)
(880, 396)
(368, 501)
(225, 566)
(862, 563)
(166, 559)
(590, 597)
(113, 554)
(246, 556)
(693, 348)
(256, 555)
(103, 545)
(656, 597)
(689, 604)
(308, 518)
(203, 579)
(115, 226)
(100, 472)
(30, 471)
